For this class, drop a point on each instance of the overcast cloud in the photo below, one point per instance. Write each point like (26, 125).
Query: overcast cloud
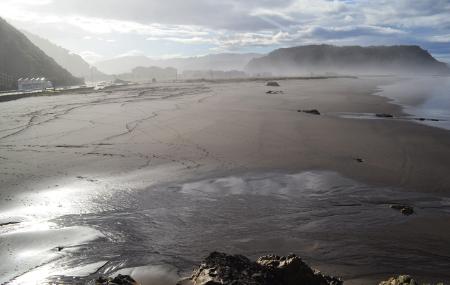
(100, 29)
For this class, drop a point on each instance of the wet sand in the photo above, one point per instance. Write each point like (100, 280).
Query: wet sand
(91, 154)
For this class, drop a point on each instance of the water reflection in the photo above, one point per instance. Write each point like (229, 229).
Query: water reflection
(37, 245)
(342, 226)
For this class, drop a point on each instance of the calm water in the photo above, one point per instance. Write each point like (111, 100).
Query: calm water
(341, 226)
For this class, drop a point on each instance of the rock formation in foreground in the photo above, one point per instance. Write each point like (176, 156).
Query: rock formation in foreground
(223, 269)
(403, 280)
(400, 280)
(220, 268)
(333, 60)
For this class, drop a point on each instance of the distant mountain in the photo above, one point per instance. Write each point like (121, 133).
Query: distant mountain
(124, 64)
(74, 63)
(322, 59)
(212, 74)
(224, 62)
(19, 57)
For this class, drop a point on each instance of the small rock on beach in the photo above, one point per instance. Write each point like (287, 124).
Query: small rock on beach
(312, 111)
(384, 115)
(400, 280)
(273, 84)
(404, 209)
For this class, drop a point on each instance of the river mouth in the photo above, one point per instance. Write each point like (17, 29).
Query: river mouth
(341, 226)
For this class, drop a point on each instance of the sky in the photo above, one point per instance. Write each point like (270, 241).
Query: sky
(104, 29)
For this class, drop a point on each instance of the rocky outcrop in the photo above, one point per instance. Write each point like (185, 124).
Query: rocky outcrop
(223, 269)
(273, 84)
(274, 92)
(312, 111)
(384, 115)
(220, 268)
(404, 280)
(118, 280)
(404, 209)
(400, 280)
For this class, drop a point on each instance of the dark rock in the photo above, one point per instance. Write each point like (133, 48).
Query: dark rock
(273, 84)
(9, 223)
(383, 115)
(425, 119)
(404, 209)
(220, 268)
(118, 280)
(274, 92)
(400, 280)
(59, 248)
(407, 211)
(312, 111)
(360, 160)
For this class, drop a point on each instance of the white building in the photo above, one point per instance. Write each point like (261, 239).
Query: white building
(34, 84)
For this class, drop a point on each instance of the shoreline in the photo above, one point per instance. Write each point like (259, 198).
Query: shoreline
(16, 95)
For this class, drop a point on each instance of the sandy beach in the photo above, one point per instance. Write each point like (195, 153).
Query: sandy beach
(86, 160)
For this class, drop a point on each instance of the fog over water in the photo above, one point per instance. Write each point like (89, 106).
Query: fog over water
(422, 97)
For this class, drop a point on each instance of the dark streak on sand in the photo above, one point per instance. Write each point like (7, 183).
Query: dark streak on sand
(9, 223)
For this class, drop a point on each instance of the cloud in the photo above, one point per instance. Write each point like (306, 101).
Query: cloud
(351, 32)
(227, 14)
(198, 26)
(440, 38)
(133, 52)
(91, 56)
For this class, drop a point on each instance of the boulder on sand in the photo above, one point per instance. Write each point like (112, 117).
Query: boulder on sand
(274, 92)
(273, 84)
(118, 280)
(404, 209)
(312, 111)
(400, 280)
(220, 268)
(384, 115)
(223, 269)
